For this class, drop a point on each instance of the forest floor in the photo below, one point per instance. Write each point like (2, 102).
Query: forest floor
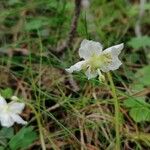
(39, 39)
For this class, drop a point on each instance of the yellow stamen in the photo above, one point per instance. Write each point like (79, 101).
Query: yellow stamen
(97, 61)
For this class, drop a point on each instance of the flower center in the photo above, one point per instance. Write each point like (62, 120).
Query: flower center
(97, 61)
(4, 109)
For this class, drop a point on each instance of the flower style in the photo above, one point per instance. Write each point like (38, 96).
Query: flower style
(96, 60)
(9, 113)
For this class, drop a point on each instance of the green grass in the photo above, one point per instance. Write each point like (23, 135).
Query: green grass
(69, 111)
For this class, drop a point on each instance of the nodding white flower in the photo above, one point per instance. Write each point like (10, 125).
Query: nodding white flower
(96, 60)
(9, 113)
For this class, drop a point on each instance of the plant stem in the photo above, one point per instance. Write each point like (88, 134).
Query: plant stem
(39, 126)
(117, 112)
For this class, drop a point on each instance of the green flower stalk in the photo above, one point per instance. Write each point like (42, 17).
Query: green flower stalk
(97, 61)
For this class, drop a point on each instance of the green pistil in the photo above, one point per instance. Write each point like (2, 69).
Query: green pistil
(5, 109)
(101, 77)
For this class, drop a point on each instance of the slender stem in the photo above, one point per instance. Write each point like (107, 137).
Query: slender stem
(117, 112)
(39, 126)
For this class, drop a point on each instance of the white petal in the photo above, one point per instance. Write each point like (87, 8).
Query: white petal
(76, 67)
(18, 119)
(2, 101)
(90, 74)
(15, 107)
(105, 68)
(115, 64)
(114, 50)
(88, 48)
(6, 120)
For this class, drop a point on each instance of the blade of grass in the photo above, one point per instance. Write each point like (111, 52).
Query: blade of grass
(117, 112)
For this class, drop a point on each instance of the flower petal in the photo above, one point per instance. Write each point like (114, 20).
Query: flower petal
(76, 67)
(18, 119)
(88, 48)
(115, 64)
(114, 50)
(91, 74)
(2, 101)
(6, 120)
(15, 107)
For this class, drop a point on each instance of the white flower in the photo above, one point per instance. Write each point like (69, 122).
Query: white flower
(9, 113)
(96, 60)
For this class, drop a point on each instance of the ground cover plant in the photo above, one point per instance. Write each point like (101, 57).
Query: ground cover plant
(47, 102)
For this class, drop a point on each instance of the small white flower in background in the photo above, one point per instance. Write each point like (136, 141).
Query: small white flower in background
(9, 113)
(96, 60)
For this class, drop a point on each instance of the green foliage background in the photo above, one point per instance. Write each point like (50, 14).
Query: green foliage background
(68, 110)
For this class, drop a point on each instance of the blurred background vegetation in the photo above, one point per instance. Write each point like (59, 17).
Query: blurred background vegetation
(40, 38)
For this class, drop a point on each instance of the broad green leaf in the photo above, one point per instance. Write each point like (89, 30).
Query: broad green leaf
(143, 75)
(140, 114)
(139, 42)
(141, 79)
(2, 148)
(139, 110)
(35, 24)
(13, 2)
(131, 102)
(23, 138)
(7, 133)
(7, 93)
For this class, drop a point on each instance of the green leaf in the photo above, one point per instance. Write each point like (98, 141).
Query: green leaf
(143, 75)
(7, 133)
(2, 148)
(139, 42)
(139, 110)
(35, 24)
(140, 114)
(7, 93)
(25, 137)
(141, 79)
(13, 2)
